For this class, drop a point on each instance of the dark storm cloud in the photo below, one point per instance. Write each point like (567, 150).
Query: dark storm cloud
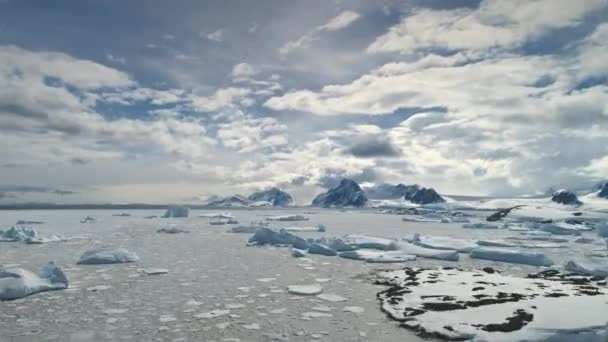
(370, 147)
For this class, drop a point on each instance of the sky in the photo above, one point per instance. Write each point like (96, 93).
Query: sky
(107, 101)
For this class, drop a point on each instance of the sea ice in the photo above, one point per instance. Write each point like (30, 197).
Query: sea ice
(305, 290)
(329, 297)
(511, 256)
(317, 248)
(479, 225)
(225, 215)
(376, 256)
(18, 283)
(444, 242)
(319, 228)
(558, 230)
(409, 248)
(20, 234)
(287, 218)
(212, 314)
(589, 266)
(107, 254)
(222, 221)
(353, 309)
(369, 242)
(171, 230)
(155, 271)
(266, 236)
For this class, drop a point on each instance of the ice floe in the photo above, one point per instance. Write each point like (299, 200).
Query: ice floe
(444, 242)
(409, 248)
(290, 218)
(480, 225)
(371, 242)
(319, 228)
(330, 297)
(222, 221)
(453, 304)
(597, 267)
(317, 248)
(171, 230)
(377, 256)
(18, 283)
(511, 256)
(212, 314)
(305, 290)
(266, 236)
(107, 254)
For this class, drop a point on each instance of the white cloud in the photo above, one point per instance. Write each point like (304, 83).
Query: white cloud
(221, 98)
(494, 24)
(243, 70)
(246, 134)
(591, 51)
(338, 22)
(216, 36)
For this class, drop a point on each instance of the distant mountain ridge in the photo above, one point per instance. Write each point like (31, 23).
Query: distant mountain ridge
(413, 193)
(273, 197)
(347, 194)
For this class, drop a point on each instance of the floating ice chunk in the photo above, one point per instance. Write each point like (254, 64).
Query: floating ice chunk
(167, 319)
(121, 215)
(87, 219)
(336, 244)
(558, 230)
(20, 234)
(373, 255)
(225, 215)
(602, 230)
(597, 267)
(316, 314)
(496, 243)
(253, 326)
(176, 211)
(305, 290)
(235, 306)
(583, 239)
(18, 283)
(409, 248)
(423, 219)
(319, 228)
(538, 238)
(479, 225)
(222, 221)
(329, 297)
(296, 217)
(444, 242)
(353, 309)
(369, 242)
(317, 248)
(99, 288)
(28, 222)
(107, 254)
(266, 236)
(511, 256)
(266, 280)
(172, 230)
(155, 271)
(322, 308)
(298, 253)
(212, 314)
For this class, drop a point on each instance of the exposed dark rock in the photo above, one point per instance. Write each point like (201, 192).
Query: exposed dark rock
(346, 194)
(499, 215)
(275, 196)
(604, 191)
(565, 197)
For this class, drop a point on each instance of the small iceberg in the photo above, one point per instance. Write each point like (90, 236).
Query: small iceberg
(319, 228)
(225, 215)
(87, 219)
(369, 242)
(445, 243)
(155, 271)
(246, 229)
(18, 283)
(479, 225)
(121, 215)
(317, 248)
(376, 256)
(422, 252)
(107, 254)
(20, 234)
(287, 218)
(558, 230)
(305, 290)
(222, 221)
(27, 222)
(177, 211)
(171, 230)
(596, 267)
(511, 256)
(267, 236)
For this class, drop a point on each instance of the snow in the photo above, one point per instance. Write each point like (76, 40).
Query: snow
(319, 228)
(588, 266)
(305, 290)
(445, 243)
(176, 211)
(296, 217)
(558, 230)
(224, 215)
(107, 254)
(480, 225)
(266, 236)
(455, 304)
(18, 283)
(511, 256)
(346, 194)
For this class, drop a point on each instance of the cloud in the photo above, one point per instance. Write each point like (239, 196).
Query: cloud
(494, 24)
(115, 59)
(13, 190)
(372, 146)
(245, 133)
(243, 70)
(215, 36)
(341, 21)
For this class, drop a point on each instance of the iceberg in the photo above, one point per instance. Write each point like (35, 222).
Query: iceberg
(318, 228)
(266, 236)
(597, 267)
(305, 290)
(176, 211)
(422, 219)
(376, 256)
(443, 242)
(422, 252)
(317, 248)
(287, 218)
(18, 283)
(346, 194)
(558, 230)
(87, 219)
(106, 254)
(27, 222)
(250, 229)
(511, 256)
(225, 215)
(171, 230)
(19, 234)
(602, 230)
(336, 244)
(222, 221)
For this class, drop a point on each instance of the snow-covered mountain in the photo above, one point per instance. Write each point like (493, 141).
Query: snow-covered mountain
(230, 201)
(564, 196)
(413, 193)
(274, 196)
(347, 194)
(603, 191)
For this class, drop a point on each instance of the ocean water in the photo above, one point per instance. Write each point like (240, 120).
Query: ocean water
(211, 270)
